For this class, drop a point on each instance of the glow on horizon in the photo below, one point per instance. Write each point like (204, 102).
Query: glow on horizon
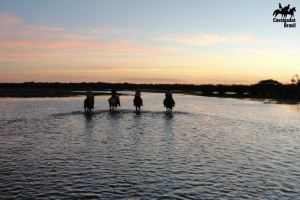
(55, 53)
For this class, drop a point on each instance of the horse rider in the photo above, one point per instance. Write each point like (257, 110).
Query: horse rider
(114, 95)
(286, 9)
(90, 95)
(169, 96)
(137, 96)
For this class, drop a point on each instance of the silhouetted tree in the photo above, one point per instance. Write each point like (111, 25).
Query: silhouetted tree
(295, 87)
(207, 89)
(295, 80)
(240, 89)
(221, 89)
(269, 82)
(268, 87)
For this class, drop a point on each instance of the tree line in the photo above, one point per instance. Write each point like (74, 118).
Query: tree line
(267, 87)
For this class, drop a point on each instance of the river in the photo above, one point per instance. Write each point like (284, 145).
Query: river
(208, 148)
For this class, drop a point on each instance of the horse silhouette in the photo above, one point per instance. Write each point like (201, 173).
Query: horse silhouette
(277, 12)
(169, 103)
(112, 103)
(88, 104)
(290, 12)
(284, 11)
(137, 103)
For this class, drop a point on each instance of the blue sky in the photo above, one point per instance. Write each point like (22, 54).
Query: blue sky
(147, 41)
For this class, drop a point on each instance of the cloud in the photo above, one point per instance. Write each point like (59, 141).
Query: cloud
(112, 30)
(211, 39)
(40, 52)
(63, 51)
(44, 28)
(8, 18)
(264, 52)
(107, 74)
(71, 36)
(201, 39)
(245, 38)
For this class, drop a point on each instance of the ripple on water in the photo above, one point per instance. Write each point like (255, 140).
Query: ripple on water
(206, 149)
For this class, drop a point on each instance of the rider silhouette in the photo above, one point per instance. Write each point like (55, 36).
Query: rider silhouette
(283, 11)
(169, 96)
(114, 95)
(90, 95)
(286, 9)
(137, 96)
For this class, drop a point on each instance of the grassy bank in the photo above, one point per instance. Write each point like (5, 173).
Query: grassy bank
(74, 92)
(52, 92)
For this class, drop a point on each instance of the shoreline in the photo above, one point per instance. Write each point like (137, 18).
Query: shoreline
(66, 93)
(48, 93)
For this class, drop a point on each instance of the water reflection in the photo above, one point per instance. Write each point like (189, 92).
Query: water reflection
(89, 122)
(224, 148)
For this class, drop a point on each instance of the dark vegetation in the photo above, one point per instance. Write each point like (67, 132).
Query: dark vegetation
(263, 89)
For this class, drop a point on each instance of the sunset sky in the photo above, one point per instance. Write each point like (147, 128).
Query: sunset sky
(153, 41)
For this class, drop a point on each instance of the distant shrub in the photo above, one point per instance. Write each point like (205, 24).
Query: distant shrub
(221, 89)
(239, 89)
(208, 89)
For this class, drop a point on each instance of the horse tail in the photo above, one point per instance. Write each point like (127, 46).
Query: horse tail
(274, 12)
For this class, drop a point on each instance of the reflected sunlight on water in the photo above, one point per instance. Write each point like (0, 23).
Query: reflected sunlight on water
(209, 148)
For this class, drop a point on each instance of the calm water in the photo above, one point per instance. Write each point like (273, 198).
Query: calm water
(209, 148)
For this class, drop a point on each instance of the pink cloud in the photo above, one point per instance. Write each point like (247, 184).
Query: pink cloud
(210, 39)
(37, 35)
(44, 28)
(48, 44)
(113, 31)
(53, 76)
(8, 18)
(201, 39)
(72, 36)
(245, 38)
(94, 49)
(27, 41)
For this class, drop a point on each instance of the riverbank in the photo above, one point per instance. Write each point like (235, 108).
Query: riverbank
(264, 99)
(275, 99)
(63, 93)
(46, 93)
